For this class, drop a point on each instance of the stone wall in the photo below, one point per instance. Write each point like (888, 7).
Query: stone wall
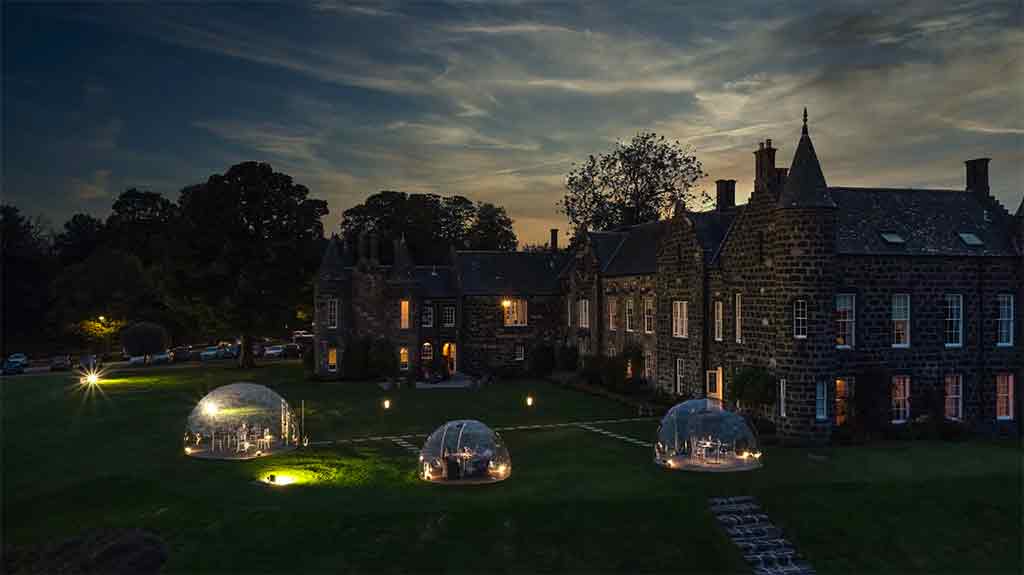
(635, 288)
(584, 282)
(680, 277)
(490, 345)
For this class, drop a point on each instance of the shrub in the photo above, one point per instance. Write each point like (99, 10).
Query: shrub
(542, 360)
(568, 358)
(144, 338)
(614, 375)
(383, 359)
(356, 359)
(592, 369)
(754, 386)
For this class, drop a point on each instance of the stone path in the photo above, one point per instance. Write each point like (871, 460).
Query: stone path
(762, 543)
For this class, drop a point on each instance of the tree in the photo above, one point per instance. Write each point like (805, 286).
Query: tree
(82, 235)
(491, 229)
(144, 338)
(142, 223)
(26, 268)
(636, 182)
(250, 238)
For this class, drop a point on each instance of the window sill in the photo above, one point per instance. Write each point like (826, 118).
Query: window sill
(901, 346)
(953, 419)
(953, 345)
(1004, 418)
(1004, 345)
(844, 347)
(799, 337)
(898, 421)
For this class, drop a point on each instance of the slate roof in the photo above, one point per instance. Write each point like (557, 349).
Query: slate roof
(711, 228)
(513, 273)
(637, 253)
(929, 221)
(436, 281)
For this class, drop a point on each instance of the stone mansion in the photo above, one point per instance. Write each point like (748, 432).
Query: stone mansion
(815, 283)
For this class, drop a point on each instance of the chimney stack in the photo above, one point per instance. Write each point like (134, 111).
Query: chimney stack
(977, 175)
(725, 194)
(554, 239)
(764, 162)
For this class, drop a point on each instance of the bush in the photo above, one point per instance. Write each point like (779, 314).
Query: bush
(144, 338)
(754, 386)
(614, 375)
(568, 358)
(542, 360)
(593, 369)
(356, 359)
(383, 359)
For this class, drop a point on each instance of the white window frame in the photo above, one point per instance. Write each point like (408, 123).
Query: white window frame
(953, 382)
(448, 316)
(719, 320)
(849, 322)
(677, 319)
(650, 367)
(630, 316)
(680, 375)
(404, 307)
(584, 309)
(800, 319)
(332, 313)
(568, 311)
(427, 351)
(782, 397)
(649, 315)
(403, 359)
(515, 315)
(900, 403)
(1005, 324)
(953, 324)
(821, 401)
(738, 308)
(427, 316)
(900, 314)
(686, 319)
(613, 310)
(519, 352)
(1009, 379)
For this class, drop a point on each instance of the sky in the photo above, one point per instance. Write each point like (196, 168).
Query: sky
(496, 101)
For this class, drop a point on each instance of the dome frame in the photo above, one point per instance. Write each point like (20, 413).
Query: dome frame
(464, 452)
(240, 421)
(699, 435)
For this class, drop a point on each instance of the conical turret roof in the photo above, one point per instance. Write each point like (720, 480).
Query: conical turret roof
(805, 183)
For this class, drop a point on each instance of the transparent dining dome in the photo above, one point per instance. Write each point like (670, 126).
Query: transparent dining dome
(240, 421)
(464, 451)
(698, 435)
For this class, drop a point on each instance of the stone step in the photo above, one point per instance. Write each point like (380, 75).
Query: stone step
(734, 509)
(755, 531)
(798, 568)
(772, 559)
(742, 519)
(749, 546)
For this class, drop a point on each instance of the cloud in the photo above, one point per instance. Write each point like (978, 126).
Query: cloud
(93, 187)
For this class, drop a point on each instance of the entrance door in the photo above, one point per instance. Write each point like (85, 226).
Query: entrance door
(714, 384)
(448, 351)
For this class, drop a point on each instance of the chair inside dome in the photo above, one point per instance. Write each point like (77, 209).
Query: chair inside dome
(240, 421)
(464, 451)
(698, 435)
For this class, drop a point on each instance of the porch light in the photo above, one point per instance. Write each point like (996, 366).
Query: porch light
(506, 303)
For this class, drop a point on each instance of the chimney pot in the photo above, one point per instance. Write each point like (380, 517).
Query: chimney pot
(554, 239)
(977, 175)
(768, 143)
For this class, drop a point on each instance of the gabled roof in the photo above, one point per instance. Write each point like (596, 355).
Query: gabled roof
(929, 221)
(805, 183)
(604, 245)
(511, 273)
(712, 227)
(637, 253)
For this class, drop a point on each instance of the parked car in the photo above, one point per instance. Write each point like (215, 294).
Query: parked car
(181, 353)
(162, 357)
(273, 352)
(18, 358)
(230, 351)
(60, 362)
(292, 350)
(137, 360)
(212, 352)
(13, 367)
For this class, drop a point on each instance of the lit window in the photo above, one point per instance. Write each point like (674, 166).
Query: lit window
(800, 319)
(403, 358)
(449, 316)
(584, 313)
(332, 359)
(954, 396)
(820, 398)
(900, 399)
(649, 315)
(679, 318)
(680, 371)
(846, 317)
(404, 314)
(782, 398)
(612, 312)
(649, 367)
(630, 320)
(514, 312)
(427, 352)
(901, 320)
(332, 313)
(739, 318)
(892, 238)
(954, 324)
(970, 239)
(428, 316)
(719, 321)
(841, 409)
(1005, 330)
(520, 351)
(1004, 396)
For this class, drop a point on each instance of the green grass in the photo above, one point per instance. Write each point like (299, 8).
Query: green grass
(576, 501)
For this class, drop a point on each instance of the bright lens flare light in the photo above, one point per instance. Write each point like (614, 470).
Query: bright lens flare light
(90, 377)
(529, 401)
(210, 409)
(279, 479)
(387, 404)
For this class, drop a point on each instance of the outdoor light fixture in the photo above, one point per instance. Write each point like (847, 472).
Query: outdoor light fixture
(279, 480)
(210, 408)
(529, 401)
(506, 303)
(90, 378)
(188, 451)
(387, 404)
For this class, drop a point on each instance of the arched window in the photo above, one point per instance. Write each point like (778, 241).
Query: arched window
(427, 352)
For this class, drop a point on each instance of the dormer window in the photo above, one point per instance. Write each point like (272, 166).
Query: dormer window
(970, 239)
(893, 239)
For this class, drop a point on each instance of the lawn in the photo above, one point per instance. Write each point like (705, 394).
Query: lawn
(576, 501)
